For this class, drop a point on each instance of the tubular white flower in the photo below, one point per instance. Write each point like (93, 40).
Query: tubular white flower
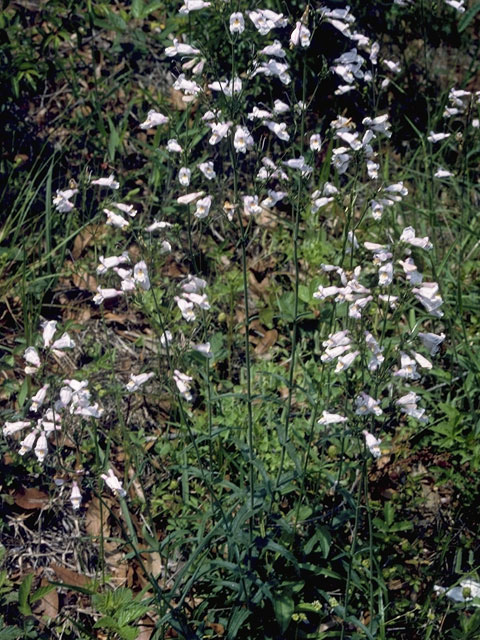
(136, 381)
(75, 496)
(41, 447)
(237, 23)
(431, 341)
(331, 418)
(113, 483)
(300, 36)
(154, 119)
(372, 443)
(115, 219)
(203, 207)
(207, 169)
(107, 182)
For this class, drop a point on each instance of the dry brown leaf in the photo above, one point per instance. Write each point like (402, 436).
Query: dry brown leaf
(87, 237)
(93, 523)
(48, 605)
(85, 281)
(69, 576)
(30, 498)
(267, 342)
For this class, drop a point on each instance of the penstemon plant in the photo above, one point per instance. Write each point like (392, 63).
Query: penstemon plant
(269, 528)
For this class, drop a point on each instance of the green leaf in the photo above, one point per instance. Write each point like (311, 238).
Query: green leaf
(284, 607)
(467, 17)
(23, 593)
(238, 618)
(138, 8)
(41, 592)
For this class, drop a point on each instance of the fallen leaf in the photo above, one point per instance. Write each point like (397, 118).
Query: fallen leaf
(30, 498)
(86, 237)
(48, 605)
(69, 576)
(267, 342)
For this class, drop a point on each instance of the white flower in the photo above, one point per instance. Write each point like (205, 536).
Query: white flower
(31, 356)
(107, 182)
(437, 137)
(331, 418)
(106, 294)
(458, 5)
(193, 284)
(344, 362)
(279, 129)
(274, 49)
(188, 198)
(280, 107)
(408, 368)
(41, 447)
(113, 483)
(408, 405)
(115, 219)
(251, 206)
(468, 589)
(183, 384)
(379, 124)
(422, 361)
(237, 23)
(27, 443)
(140, 275)
(265, 20)
(62, 200)
(372, 443)
(158, 224)
(366, 405)
(372, 169)
(193, 5)
(219, 131)
(75, 496)
(392, 66)
(300, 36)
(408, 236)
(179, 48)
(325, 292)
(204, 349)
(412, 274)
(166, 338)
(39, 398)
(228, 88)
(112, 261)
(136, 381)
(341, 160)
(129, 209)
(442, 173)
(207, 169)
(199, 299)
(300, 164)
(203, 207)
(385, 274)
(429, 297)
(173, 146)
(49, 327)
(186, 308)
(154, 119)
(12, 427)
(184, 176)
(315, 142)
(431, 341)
(242, 139)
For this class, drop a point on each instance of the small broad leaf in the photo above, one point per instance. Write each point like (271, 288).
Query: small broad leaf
(23, 593)
(284, 607)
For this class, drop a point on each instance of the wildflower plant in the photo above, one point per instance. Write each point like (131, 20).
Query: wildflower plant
(283, 397)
